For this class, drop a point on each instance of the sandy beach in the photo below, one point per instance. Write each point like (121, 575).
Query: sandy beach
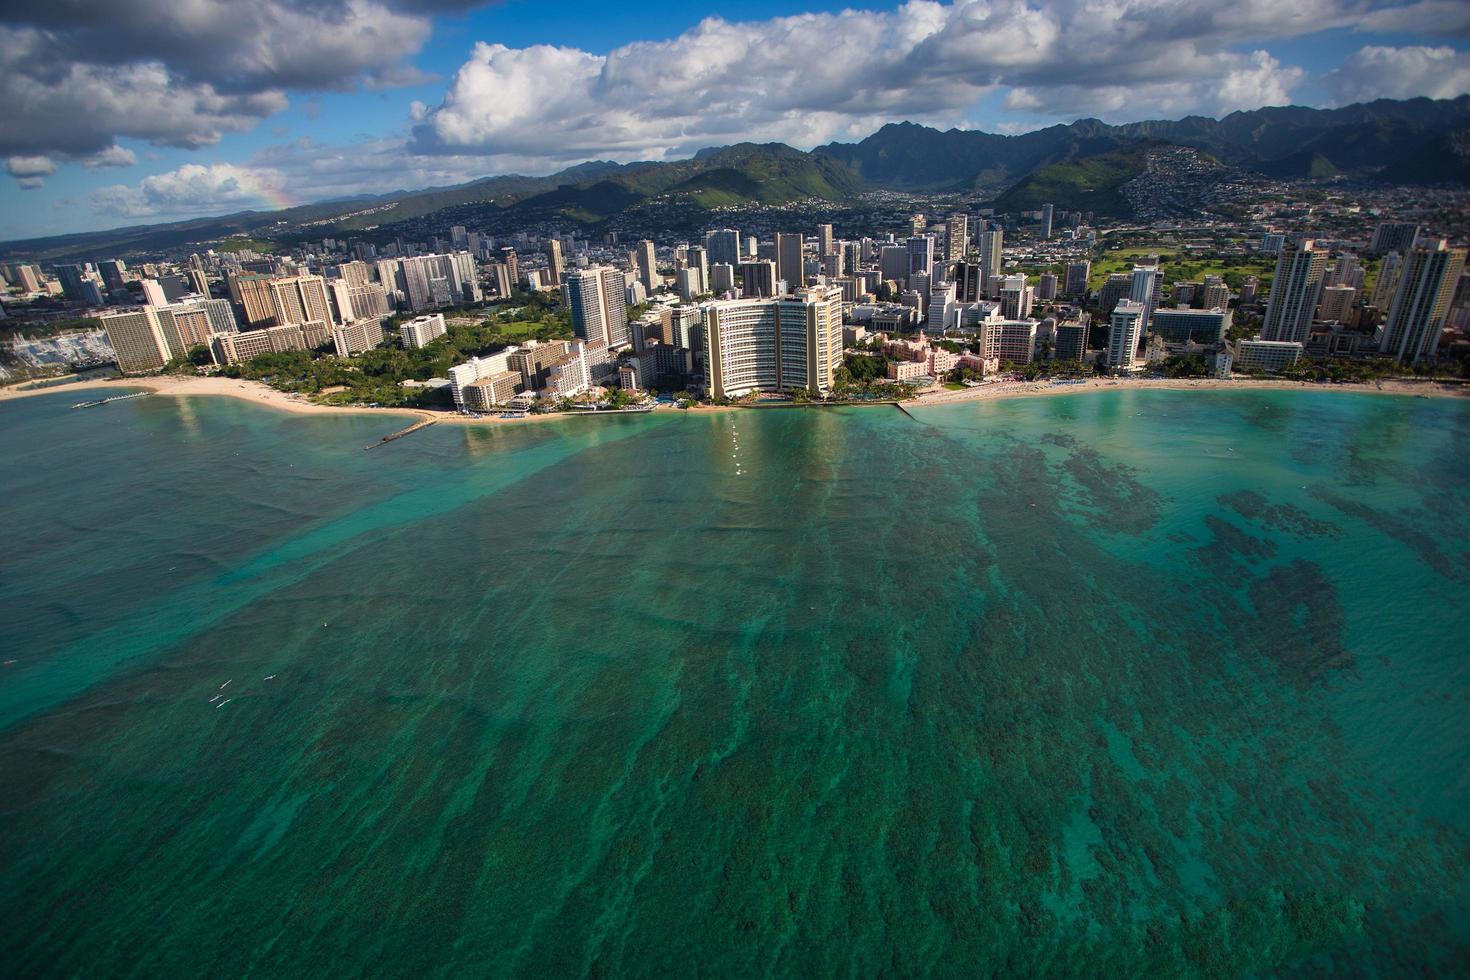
(261, 394)
(1036, 389)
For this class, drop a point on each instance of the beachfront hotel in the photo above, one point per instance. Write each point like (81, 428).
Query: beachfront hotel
(791, 343)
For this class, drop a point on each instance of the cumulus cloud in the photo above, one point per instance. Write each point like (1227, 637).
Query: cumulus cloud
(1440, 18)
(1375, 72)
(814, 77)
(192, 189)
(39, 166)
(75, 76)
(113, 156)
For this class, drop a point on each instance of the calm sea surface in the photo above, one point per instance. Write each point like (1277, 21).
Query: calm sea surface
(1145, 683)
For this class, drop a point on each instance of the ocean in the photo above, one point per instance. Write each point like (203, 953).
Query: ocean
(1134, 683)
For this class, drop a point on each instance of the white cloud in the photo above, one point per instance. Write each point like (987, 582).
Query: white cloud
(77, 75)
(192, 189)
(1440, 18)
(814, 77)
(1375, 72)
(113, 156)
(37, 166)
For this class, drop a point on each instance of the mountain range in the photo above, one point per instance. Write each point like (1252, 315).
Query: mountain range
(1082, 165)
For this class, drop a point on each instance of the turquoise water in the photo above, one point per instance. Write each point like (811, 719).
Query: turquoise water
(1134, 683)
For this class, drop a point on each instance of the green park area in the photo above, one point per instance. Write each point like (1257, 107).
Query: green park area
(1182, 266)
(377, 376)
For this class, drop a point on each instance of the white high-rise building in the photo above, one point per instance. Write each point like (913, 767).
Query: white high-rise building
(956, 237)
(1295, 291)
(599, 316)
(1125, 329)
(789, 343)
(1426, 285)
(991, 245)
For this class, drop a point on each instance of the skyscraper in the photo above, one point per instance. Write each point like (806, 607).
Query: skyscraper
(956, 237)
(137, 338)
(1125, 329)
(599, 315)
(1077, 276)
(512, 265)
(1394, 236)
(648, 266)
(789, 261)
(893, 264)
(921, 254)
(553, 260)
(723, 246)
(1295, 290)
(1047, 212)
(825, 240)
(991, 244)
(785, 344)
(1426, 286)
(758, 278)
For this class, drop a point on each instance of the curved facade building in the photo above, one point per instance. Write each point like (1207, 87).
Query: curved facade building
(786, 344)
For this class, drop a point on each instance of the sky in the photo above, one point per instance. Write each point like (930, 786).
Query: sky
(121, 112)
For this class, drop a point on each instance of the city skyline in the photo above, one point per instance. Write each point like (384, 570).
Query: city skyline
(159, 116)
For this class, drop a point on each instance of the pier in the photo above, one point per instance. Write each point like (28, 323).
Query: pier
(420, 424)
(114, 398)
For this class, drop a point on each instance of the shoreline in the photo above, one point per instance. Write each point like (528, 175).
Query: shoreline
(998, 391)
(259, 393)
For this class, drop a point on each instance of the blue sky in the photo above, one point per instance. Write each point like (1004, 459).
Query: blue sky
(116, 112)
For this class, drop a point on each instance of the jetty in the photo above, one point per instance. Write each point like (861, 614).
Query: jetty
(115, 398)
(410, 430)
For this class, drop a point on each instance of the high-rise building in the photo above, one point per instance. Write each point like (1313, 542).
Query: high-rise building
(893, 264)
(1215, 294)
(1077, 275)
(1394, 236)
(112, 273)
(1046, 289)
(1071, 342)
(153, 294)
(422, 331)
(785, 344)
(512, 265)
(967, 279)
(599, 316)
(352, 339)
(825, 241)
(991, 245)
(1250, 291)
(956, 237)
(921, 255)
(758, 279)
(1125, 329)
(553, 260)
(1295, 290)
(252, 292)
(1336, 304)
(1015, 298)
(137, 338)
(723, 246)
(942, 306)
(78, 285)
(789, 261)
(648, 266)
(1047, 213)
(1422, 301)
(1388, 279)
(1191, 326)
(1117, 287)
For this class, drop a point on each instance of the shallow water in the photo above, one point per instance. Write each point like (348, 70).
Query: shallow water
(1122, 683)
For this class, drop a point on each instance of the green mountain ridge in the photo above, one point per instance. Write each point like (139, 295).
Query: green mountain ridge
(1080, 165)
